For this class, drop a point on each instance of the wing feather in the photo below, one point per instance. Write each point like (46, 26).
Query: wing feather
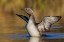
(47, 22)
(23, 17)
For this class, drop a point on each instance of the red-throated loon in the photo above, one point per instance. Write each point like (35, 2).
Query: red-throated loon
(35, 29)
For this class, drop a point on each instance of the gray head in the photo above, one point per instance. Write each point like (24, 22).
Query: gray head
(28, 11)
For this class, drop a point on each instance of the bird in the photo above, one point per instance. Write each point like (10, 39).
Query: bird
(37, 29)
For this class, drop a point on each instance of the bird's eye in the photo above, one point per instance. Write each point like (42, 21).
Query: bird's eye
(26, 9)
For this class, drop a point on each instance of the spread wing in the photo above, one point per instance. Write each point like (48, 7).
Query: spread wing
(23, 17)
(47, 22)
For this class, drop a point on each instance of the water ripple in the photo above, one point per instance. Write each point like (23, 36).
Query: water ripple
(48, 36)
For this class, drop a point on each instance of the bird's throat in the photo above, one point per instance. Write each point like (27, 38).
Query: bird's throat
(29, 15)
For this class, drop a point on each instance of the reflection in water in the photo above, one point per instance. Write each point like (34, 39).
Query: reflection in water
(36, 39)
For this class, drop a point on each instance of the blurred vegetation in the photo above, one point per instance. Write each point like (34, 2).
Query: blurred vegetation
(41, 8)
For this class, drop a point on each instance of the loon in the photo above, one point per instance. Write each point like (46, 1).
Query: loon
(36, 29)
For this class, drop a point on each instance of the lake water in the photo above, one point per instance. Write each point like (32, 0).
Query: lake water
(51, 37)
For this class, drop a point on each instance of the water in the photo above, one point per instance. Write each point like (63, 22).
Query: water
(25, 36)
(50, 37)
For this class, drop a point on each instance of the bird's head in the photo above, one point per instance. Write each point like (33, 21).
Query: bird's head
(28, 11)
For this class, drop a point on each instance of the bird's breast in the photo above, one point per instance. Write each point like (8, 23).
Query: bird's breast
(32, 29)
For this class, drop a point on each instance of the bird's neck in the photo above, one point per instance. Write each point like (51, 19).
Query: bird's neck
(32, 18)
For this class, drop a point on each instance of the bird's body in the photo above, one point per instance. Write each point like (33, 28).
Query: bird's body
(32, 29)
(35, 29)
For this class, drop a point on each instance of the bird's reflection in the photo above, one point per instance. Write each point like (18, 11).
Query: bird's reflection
(36, 39)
